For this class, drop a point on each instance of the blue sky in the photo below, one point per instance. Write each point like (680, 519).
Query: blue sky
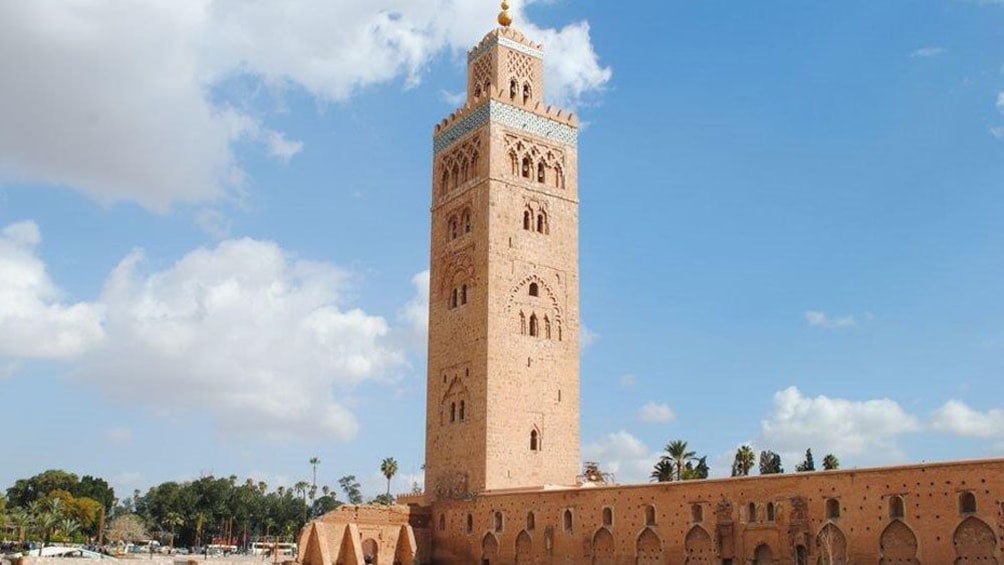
(214, 230)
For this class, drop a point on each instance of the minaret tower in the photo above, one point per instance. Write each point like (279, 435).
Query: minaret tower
(503, 384)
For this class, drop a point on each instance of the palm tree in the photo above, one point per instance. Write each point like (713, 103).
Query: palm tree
(21, 520)
(830, 462)
(744, 462)
(314, 462)
(677, 451)
(173, 521)
(389, 468)
(663, 471)
(68, 527)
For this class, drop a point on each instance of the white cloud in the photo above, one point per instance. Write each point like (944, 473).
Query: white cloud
(119, 435)
(454, 99)
(244, 331)
(587, 338)
(34, 322)
(818, 319)
(927, 52)
(628, 381)
(624, 455)
(120, 101)
(213, 222)
(865, 430)
(957, 418)
(655, 413)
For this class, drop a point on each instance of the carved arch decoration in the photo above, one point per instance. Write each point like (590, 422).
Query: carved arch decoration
(831, 546)
(452, 485)
(975, 541)
(460, 165)
(455, 406)
(603, 548)
(898, 544)
(458, 269)
(490, 548)
(648, 548)
(524, 549)
(698, 547)
(524, 150)
(481, 75)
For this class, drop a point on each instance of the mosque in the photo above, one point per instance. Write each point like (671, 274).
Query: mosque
(502, 424)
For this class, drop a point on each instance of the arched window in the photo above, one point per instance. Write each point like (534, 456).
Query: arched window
(522, 323)
(534, 441)
(540, 223)
(832, 509)
(531, 521)
(534, 330)
(488, 88)
(456, 175)
(650, 515)
(534, 289)
(463, 405)
(567, 520)
(474, 164)
(967, 503)
(547, 328)
(452, 228)
(559, 178)
(697, 513)
(608, 516)
(498, 521)
(527, 92)
(453, 412)
(526, 220)
(751, 512)
(446, 180)
(526, 167)
(463, 171)
(512, 89)
(540, 172)
(896, 507)
(770, 511)
(477, 91)
(467, 221)
(463, 294)
(470, 524)
(514, 161)
(453, 299)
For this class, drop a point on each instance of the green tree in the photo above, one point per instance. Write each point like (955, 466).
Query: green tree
(830, 462)
(663, 470)
(696, 472)
(677, 451)
(744, 462)
(389, 468)
(807, 465)
(20, 519)
(314, 462)
(172, 522)
(350, 486)
(26, 491)
(95, 488)
(67, 528)
(770, 463)
(383, 499)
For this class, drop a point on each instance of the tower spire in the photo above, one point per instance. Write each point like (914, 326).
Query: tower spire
(505, 20)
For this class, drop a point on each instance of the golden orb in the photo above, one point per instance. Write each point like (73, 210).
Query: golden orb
(505, 20)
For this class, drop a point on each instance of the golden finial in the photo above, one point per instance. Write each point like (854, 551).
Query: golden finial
(505, 20)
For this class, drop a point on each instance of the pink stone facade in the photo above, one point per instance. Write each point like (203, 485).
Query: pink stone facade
(502, 427)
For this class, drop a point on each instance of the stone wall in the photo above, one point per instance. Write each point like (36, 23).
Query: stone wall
(918, 514)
